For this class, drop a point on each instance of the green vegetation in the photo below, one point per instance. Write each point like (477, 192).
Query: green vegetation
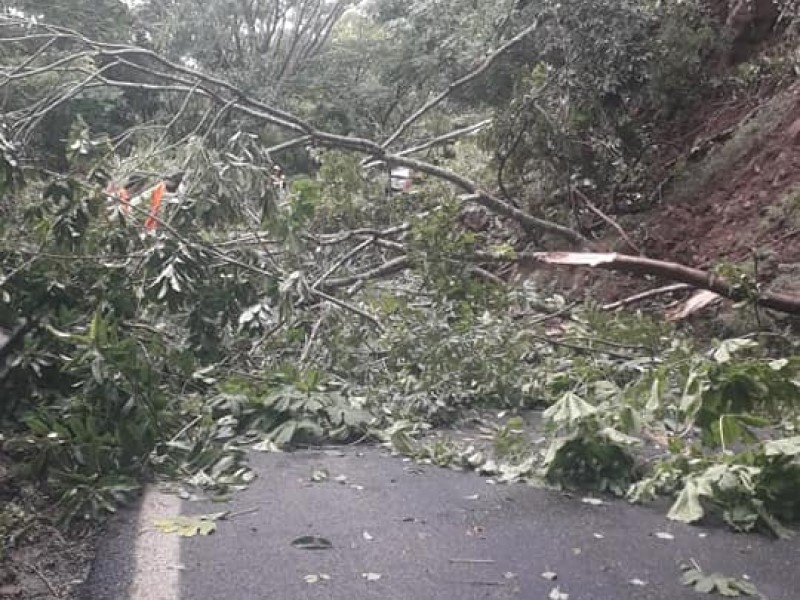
(166, 343)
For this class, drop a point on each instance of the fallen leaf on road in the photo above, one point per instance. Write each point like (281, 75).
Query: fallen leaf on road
(557, 594)
(598, 536)
(637, 582)
(190, 526)
(366, 535)
(592, 501)
(473, 497)
(716, 582)
(316, 577)
(319, 475)
(371, 576)
(312, 542)
(550, 575)
(663, 535)
(341, 479)
(266, 446)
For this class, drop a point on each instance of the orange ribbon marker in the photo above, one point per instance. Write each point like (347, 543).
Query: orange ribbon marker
(155, 203)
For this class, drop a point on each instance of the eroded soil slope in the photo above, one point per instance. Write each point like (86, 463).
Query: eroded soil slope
(743, 195)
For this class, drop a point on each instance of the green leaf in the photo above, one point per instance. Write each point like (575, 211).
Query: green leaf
(691, 398)
(687, 507)
(656, 392)
(729, 347)
(402, 443)
(617, 437)
(266, 445)
(783, 447)
(569, 409)
(716, 582)
(284, 433)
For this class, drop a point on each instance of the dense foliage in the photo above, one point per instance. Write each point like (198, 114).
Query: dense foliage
(249, 311)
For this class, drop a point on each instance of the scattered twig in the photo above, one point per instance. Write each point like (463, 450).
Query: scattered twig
(347, 256)
(385, 270)
(5, 278)
(293, 143)
(312, 336)
(442, 139)
(577, 347)
(786, 236)
(472, 561)
(53, 591)
(186, 428)
(611, 343)
(549, 316)
(240, 513)
(617, 227)
(666, 289)
(348, 306)
(487, 275)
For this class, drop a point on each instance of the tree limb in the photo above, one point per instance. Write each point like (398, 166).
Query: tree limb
(639, 265)
(385, 270)
(472, 75)
(666, 289)
(442, 139)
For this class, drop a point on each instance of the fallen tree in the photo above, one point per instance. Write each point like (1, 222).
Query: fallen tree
(156, 73)
(639, 265)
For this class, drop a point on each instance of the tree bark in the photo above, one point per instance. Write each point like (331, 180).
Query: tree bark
(639, 265)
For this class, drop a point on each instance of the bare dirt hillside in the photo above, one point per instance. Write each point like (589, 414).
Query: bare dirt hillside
(742, 196)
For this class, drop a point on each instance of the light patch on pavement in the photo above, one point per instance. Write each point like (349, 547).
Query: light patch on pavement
(158, 570)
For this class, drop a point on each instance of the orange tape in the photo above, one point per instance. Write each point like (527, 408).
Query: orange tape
(155, 204)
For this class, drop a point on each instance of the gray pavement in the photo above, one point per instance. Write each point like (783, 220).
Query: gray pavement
(428, 533)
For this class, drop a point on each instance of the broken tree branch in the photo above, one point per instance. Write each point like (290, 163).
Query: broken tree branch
(385, 270)
(639, 265)
(335, 266)
(608, 220)
(472, 75)
(442, 139)
(665, 289)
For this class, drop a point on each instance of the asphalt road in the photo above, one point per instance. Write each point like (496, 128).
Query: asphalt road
(401, 532)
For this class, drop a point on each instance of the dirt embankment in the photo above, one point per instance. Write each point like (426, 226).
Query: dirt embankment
(730, 195)
(742, 197)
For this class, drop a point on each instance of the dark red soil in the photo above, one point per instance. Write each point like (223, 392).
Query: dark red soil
(738, 209)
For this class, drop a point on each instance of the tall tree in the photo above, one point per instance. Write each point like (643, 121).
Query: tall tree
(261, 45)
